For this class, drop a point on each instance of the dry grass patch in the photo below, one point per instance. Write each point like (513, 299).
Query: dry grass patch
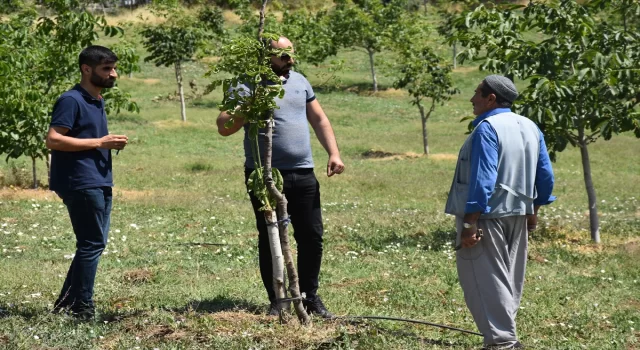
(172, 124)
(13, 193)
(391, 93)
(632, 248)
(231, 17)
(138, 276)
(443, 156)
(210, 59)
(141, 15)
(379, 155)
(461, 69)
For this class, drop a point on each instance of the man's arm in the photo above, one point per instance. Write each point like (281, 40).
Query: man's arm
(322, 127)
(224, 117)
(484, 172)
(58, 141)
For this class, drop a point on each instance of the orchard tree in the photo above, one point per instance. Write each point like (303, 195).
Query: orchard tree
(314, 35)
(179, 38)
(367, 24)
(247, 60)
(38, 62)
(583, 75)
(426, 77)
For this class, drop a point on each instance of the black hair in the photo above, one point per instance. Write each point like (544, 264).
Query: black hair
(95, 55)
(500, 101)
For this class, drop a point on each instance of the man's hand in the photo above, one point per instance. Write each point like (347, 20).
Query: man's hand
(113, 142)
(532, 220)
(470, 237)
(334, 166)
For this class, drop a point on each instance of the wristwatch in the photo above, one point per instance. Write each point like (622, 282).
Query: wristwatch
(468, 225)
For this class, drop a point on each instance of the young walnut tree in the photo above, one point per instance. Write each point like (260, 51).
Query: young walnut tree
(38, 62)
(247, 60)
(582, 73)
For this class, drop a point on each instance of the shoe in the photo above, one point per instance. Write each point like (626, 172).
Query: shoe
(517, 345)
(83, 312)
(274, 311)
(316, 306)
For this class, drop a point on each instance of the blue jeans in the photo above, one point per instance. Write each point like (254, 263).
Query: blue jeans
(90, 213)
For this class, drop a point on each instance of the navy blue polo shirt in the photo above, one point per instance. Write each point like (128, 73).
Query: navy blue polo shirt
(85, 117)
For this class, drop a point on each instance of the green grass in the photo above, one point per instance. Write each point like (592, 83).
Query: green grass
(181, 271)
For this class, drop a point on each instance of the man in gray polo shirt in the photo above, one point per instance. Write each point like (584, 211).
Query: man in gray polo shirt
(292, 156)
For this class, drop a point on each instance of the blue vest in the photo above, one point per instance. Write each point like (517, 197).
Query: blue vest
(518, 151)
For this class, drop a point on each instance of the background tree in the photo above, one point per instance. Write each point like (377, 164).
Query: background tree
(367, 24)
(425, 76)
(179, 38)
(582, 70)
(38, 62)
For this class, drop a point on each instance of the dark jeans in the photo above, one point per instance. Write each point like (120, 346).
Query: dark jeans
(303, 194)
(90, 213)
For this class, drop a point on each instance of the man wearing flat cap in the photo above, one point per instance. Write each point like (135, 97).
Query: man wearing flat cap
(502, 177)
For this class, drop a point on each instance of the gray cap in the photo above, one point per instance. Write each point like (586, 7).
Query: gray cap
(503, 87)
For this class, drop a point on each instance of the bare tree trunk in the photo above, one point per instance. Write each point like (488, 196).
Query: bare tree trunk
(373, 70)
(277, 261)
(281, 247)
(48, 161)
(425, 142)
(455, 54)
(588, 182)
(424, 117)
(283, 217)
(183, 108)
(35, 175)
(424, 2)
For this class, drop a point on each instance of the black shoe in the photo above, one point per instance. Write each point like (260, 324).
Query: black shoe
(274, 311)
(315, 306)
(83, 312)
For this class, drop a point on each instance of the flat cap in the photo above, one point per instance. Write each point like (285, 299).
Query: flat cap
(503, 86)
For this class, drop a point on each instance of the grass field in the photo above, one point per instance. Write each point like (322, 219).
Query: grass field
(181, 271)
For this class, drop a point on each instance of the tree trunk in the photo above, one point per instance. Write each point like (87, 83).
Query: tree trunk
(424, 2)
(591, 192)
(373, 70)
(283, 218)
(280, 226)
(183, 108)
(48, 167)
(35, 175)
(455, 54)
(277, 261)
(425, 141)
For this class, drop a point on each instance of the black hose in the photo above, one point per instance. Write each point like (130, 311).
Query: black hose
(410, 321)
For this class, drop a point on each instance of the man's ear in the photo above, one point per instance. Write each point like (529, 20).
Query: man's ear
(85, 69)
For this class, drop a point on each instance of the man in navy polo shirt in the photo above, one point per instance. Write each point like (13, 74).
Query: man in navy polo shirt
(81, 173)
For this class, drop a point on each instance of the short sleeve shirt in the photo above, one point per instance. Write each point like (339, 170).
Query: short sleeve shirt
(291, 136)
(85, 117)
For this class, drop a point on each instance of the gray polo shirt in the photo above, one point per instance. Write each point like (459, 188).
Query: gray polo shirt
(291, 137)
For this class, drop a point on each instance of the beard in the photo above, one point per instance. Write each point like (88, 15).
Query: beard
(102, 83)
(282, 71)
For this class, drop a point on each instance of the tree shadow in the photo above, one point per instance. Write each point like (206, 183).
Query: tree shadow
(361, 88)
(23, 312)
(117, 316)
(221, 303)
(371, 328)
